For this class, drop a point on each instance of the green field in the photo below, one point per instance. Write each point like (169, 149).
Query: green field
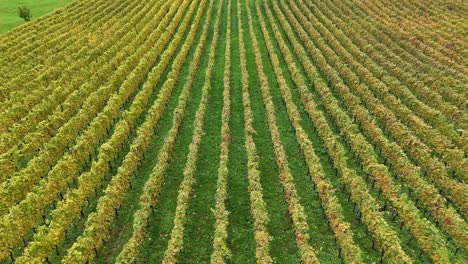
(9, 18)
(236, 131)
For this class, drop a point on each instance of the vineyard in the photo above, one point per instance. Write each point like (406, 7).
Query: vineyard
(236, 131)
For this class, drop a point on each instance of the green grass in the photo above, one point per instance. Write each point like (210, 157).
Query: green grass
(10, 19)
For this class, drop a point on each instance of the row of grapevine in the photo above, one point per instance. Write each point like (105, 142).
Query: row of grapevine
(220, 249)
(372, 111)
(28, 86)
(45, 91)
(418, 151)
(438, 79)
(441, 34)
(176, 240)
(296, 210)
(332, 208)
(37, 53)
(453, 19)
(427, 49)
(149, 198)
(23, 181)
(425, 91)
(435, 25)
(433, 6)
(99, 222)
(450, 221)
(433, 9)
(443, 23)
(393, 152)
(69, 208)
(26, 36)
(386, 239)
(428, 45)
(420, 228)
(411, 53)
(39, 126)
(48, 31)
(42, 111)
(21, 33)
(13, 224)
(391, 85)
(12, 37)
(440, 145)
(257, 204)
(429, 19)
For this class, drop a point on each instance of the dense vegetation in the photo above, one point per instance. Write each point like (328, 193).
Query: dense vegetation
(196, 131)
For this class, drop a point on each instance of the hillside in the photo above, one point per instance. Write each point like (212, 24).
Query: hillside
(250, 131)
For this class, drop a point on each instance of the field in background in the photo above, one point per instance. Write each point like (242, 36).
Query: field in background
(9, 18)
